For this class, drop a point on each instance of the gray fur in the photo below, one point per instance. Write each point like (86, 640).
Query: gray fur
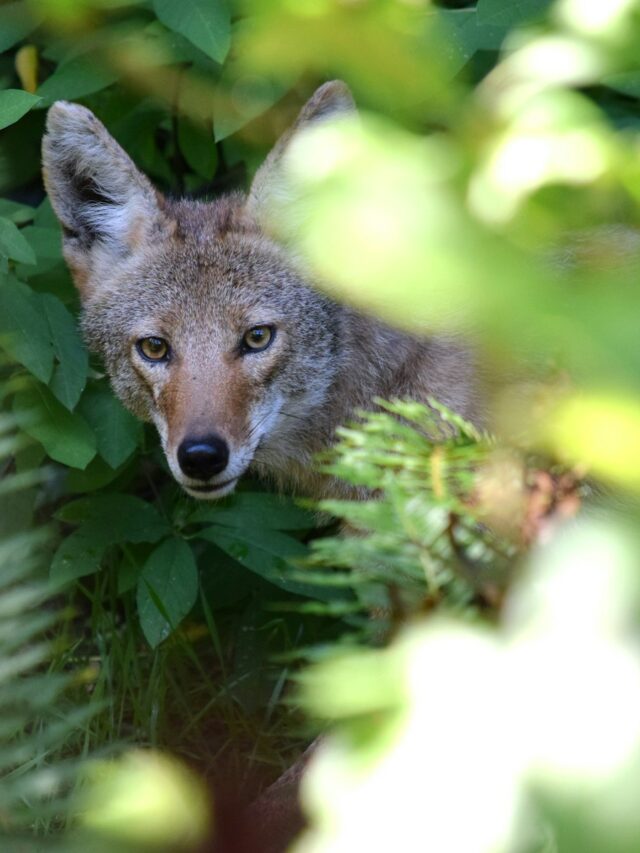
(200, 274)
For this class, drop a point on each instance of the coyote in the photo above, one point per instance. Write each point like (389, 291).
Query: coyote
(209, 328)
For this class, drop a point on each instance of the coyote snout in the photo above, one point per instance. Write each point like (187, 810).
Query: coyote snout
(212, 432)
(202, 458)
(208, 329)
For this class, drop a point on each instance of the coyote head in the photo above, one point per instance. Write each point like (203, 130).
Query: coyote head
(204, 325)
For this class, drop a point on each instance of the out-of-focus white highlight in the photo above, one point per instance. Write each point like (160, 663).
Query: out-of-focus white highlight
(145, 798)
(555, 137)
(382, 199)
(543, 64)
(569, 625)
(551, 700)
(593, 18)
(444, 762)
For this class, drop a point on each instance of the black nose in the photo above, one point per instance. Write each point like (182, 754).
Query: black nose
(201, 458)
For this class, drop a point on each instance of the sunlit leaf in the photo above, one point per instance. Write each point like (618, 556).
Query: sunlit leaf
(599, 431)
(403, 246)
(144, 798)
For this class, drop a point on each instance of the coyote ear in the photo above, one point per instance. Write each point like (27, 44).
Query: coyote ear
(331, 100)
(96, 191)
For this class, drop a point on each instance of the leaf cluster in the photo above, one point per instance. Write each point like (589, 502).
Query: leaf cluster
(418, 537)
(38, 719)
(178, 610)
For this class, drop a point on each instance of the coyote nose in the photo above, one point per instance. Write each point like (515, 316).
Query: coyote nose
(201, 458)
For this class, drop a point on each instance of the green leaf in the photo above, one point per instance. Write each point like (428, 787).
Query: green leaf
(24, 331)
(66, 436)
(95, 476)
(259, 509)
(79, 554)
(168, 46)
(13, 243)
(17, 511)
(47, 246)
(252, 96)
(46, 219)
(167, 589)
(116, 518)
(206, 23)
(129, 570)
(511, 13)
(83, 75)
(16, 212)
(20, 152)
(198, 148)
(468, 35)
(46, 242)
(627, 82)
(106, 520)
(70, 374)
(14, 103)
(224, 582)
(265, 552)
(117, 431)
(17, 20)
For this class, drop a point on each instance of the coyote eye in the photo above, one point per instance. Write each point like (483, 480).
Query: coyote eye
(257, 338)
(153, 349)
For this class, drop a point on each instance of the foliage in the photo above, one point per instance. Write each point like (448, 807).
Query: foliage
(497, 145)
(533, 730)
(419, 540)
(130, 554)
(36, 717)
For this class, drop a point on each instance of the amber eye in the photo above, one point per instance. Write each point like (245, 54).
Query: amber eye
(153, 349)
(257, 338)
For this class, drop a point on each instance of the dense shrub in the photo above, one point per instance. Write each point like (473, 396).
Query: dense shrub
(491, 187)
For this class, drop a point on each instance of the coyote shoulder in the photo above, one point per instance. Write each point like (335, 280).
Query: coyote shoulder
(207, 327)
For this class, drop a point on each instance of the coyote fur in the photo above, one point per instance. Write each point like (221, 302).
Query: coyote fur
(208, 327)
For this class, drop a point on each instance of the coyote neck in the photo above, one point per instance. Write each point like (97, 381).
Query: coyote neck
(380, 361)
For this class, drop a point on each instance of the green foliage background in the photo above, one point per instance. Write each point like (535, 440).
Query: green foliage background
(498, 144)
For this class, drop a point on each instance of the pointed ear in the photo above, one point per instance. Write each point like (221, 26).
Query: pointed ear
(104, 203)
(331, 100)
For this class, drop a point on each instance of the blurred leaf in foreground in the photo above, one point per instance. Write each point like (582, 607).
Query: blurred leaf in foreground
(143, 801)
(527, 731)
(403, 245)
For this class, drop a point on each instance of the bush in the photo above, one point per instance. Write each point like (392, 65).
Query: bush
(490, 188)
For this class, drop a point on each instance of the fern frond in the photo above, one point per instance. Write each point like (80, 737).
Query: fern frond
(35, 723)
(420, 538)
